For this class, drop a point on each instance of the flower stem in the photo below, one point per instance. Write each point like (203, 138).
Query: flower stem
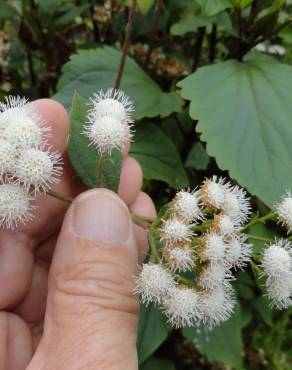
(141, 221)
(260, 238)
(255, 268)
(126, 44)
(100, 167)
(61, 197)
(257, 219)
(154, 252)
(184, 280)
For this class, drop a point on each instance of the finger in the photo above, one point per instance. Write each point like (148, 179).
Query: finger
(15, 246)
(131, 180)
(142, 206)
(15, 342)
(16, 262)
(32, 307)
(91, 282)
(130, 186)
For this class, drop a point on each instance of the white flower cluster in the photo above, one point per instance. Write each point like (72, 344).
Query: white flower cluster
(276, 261)
(27, 165)
(277, 268)
(109, 121)
(217, 211)
(284, 211)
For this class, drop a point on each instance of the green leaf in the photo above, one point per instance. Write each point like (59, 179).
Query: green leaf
(262, 231)
(245, 114)
(95, 69)
(198, 158)
(144, 5)
(223, 343)
(174, 132)
(152, 331)
(261, 304)
(154, 363)
(158, 156)
(241, 3)
(193, 22)
(212, 7)
(70, 16)
(7, 11)
(84, 157)
(190, 24)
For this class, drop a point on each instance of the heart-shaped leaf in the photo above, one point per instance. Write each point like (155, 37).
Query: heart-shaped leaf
(95, 69)
(245, 116)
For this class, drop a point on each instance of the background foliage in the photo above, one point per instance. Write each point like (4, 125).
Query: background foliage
(211, 81)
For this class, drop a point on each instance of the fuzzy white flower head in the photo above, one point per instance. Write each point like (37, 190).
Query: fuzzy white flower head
(217, 305)
(279, 290)
(186, 206)
(277, 259)
(7, 157)
(213, 192)
(175, 231)
(11, 102)
(238, 253)
(214, 275)
(107, 133)
(213, 248)
(236, 205)
(112, 103)
(180, 258)
(38, 169)
(21, 125)
(109, 122)
(15, 207)
(154, 283)
(224, 225)
(284, 211)
(182, 307)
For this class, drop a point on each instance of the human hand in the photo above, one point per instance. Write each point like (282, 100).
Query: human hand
(66, 278)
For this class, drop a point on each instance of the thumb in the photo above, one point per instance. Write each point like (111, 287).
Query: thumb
(91, 317)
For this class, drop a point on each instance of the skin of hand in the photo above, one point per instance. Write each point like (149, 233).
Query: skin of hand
(67, 277)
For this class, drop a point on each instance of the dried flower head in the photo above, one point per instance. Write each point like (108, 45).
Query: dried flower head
(154, 283)
(38, 169)
(236, 205)
(284, 211)
(213, 192)
(186, 206)
(175, 231)
(217, 305)
(182, 307)
(15, 207)
(238, 253)
(180, 258)
(277, 259)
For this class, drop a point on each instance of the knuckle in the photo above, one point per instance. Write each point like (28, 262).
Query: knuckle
(93, 284)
